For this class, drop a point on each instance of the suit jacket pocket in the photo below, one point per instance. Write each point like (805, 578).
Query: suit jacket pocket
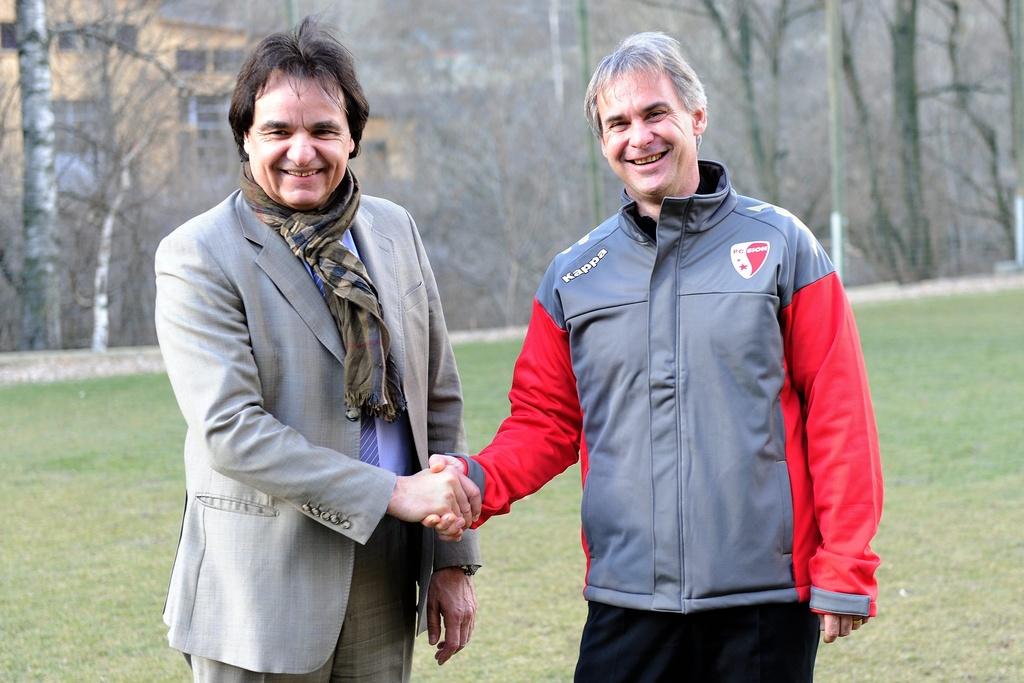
(414, 296)
(237, 505)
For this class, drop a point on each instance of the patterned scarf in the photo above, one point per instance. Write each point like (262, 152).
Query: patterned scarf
(372, 384)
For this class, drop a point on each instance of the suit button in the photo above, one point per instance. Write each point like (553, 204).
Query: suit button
(305, 507)
(315, 511)
(334, 519)
(345, 524)
(325, 515)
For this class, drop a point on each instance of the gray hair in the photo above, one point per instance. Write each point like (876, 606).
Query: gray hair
(652, 52)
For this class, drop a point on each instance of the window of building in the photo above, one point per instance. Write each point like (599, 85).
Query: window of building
(127, 35)
(8, 36)
(190, 60)
(227, 60)
(206, 112)
(79, 155)
(72, 38)
(67, 39)
(373, 159)
(87, 37)
(208, 116)
(73, 120)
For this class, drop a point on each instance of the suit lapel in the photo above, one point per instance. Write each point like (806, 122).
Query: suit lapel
(377, 252)
(291, 279)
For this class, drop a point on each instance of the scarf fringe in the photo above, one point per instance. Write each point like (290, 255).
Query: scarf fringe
(374, 405)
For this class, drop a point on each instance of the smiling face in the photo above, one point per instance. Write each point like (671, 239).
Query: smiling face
(299, 143)
(649, 139)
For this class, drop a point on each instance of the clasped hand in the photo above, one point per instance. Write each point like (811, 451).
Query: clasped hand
(440, 497)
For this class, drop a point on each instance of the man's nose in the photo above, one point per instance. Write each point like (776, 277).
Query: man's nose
(640, 135)
(301, 151)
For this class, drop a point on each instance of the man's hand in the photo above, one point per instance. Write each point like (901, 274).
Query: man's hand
(435, 493)
(445, 525)
(839, 625)
(450, 598)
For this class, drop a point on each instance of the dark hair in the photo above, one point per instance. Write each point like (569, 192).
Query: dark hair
(309, 52)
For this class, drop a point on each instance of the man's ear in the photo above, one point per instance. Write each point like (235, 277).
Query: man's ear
(700, 121)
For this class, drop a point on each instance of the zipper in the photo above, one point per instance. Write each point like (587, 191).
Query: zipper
(679, 391)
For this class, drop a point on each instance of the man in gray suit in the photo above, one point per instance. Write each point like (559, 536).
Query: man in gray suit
(303, 335)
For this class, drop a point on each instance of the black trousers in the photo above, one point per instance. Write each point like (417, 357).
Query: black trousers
(758, 644)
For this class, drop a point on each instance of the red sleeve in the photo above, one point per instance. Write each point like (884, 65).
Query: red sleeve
(826, 366)
(541, 436)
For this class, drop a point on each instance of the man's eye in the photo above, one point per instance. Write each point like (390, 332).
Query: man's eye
(617, 126)
(656, 115)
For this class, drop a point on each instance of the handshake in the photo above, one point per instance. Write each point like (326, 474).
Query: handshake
(440, 497)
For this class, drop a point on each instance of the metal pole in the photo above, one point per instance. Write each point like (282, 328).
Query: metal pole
(1017, 17)
(595, 171)
(835, 137)
(555, 36)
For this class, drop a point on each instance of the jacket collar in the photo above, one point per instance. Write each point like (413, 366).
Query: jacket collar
(699, 212)
(290, 277)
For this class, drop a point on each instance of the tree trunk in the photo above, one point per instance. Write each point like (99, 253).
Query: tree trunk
(40, 277)
(991, 182)
(101, 279)
(759, 118)
(883, 240)
(903, 33)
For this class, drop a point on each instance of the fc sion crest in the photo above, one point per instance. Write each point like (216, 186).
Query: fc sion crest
(748, 257)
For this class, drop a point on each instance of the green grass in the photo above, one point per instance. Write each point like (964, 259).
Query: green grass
(91, 493)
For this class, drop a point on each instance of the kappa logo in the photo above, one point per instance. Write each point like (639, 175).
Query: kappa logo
(748, 257)
(586, 267)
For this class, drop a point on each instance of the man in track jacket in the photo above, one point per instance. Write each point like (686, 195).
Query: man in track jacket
(697, 354)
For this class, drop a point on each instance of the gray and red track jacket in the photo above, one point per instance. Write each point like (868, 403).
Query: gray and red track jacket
(712, 385)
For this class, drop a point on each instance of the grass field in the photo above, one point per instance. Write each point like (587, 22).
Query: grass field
(91, 493)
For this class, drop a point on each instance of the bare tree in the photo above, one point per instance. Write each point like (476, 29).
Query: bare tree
(903, 33)
(477, 107)
(119, 69)
(133, 102)
(925, 174)
(755, 37)
(986, 183)
(902, 245)
(40, 278)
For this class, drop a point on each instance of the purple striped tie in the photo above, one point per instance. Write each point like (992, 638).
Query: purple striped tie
(368, 452)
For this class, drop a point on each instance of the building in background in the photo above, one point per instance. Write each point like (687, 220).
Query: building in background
(115, 66)
(140, 92)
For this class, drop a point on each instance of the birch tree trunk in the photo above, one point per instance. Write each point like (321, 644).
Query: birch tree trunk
(40, 278)
(101, 278)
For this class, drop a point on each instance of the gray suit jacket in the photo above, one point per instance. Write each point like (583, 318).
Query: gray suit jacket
(256, 362)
